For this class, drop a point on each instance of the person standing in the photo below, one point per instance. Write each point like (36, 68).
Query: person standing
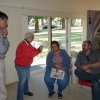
(24, 56)
(4, 45)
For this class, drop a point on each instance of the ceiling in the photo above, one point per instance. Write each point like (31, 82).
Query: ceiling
(55, 5)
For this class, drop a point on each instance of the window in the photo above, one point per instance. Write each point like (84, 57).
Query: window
(58, 31)
(42, 27)
(37, 25)
(76, 36)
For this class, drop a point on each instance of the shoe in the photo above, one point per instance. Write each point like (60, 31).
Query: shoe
(29, 93)
(51, 94)
(60, 96)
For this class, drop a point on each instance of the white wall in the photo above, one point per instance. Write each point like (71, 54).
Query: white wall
(16, 17)
(15, 35)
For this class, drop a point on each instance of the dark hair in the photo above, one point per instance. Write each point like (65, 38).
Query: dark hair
(55, 42)
(89, 42)
(3, 15)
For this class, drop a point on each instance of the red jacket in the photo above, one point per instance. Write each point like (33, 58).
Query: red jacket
(25, 53)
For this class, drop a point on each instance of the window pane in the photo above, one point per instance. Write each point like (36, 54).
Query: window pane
(37, 26)
(76, 36)
(58, 31)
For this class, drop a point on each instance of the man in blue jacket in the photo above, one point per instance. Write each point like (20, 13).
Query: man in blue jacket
(4, 45)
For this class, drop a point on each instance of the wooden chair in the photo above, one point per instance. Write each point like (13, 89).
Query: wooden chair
(82, 83)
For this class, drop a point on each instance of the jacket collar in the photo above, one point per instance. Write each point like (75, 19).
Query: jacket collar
(27, 42)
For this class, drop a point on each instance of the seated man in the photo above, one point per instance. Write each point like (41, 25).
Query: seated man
(88, 68)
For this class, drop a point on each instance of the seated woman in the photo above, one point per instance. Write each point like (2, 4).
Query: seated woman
(57, 68)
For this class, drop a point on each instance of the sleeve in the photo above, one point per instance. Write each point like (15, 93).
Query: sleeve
(35, 52)
(49, 62)
(66, 60)
(29, 51)
(98, 55)
(78, 60)
(4, 45)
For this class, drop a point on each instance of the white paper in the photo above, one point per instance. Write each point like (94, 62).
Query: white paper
(58, 74)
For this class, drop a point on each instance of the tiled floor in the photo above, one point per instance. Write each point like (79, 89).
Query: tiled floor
(38, 86)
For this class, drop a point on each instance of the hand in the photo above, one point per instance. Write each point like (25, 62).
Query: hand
(86, 67)
(88, 71)
(41, 47)
(5, 32)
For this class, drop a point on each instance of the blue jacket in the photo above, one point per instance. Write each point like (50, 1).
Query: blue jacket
(65, 61)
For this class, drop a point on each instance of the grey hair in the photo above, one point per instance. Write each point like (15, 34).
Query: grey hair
(28, 34)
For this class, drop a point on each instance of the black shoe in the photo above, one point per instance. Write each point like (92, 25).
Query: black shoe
(60, 96)
(29, 93)
(51, 94)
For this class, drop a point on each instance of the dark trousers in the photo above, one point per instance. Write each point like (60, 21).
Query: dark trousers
(80, 73)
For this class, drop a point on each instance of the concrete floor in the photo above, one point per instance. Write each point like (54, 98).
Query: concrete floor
(39, 88)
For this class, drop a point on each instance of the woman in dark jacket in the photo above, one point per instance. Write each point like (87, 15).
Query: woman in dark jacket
(57, 59)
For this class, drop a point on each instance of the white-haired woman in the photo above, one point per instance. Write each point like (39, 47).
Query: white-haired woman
(24, 56)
